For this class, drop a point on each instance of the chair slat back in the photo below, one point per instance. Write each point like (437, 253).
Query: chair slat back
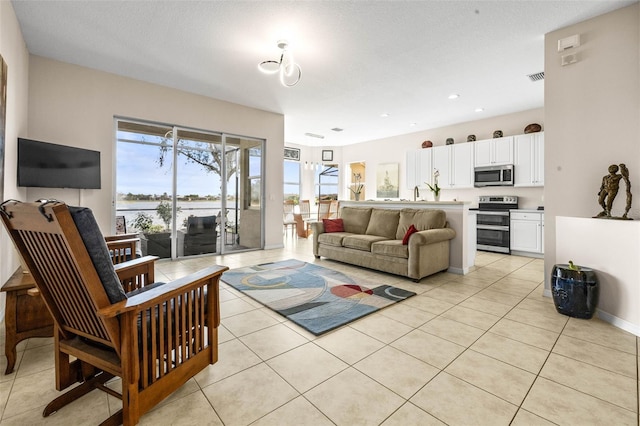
(323, 209)
(305, 209)
(333, 209)
(51, 246)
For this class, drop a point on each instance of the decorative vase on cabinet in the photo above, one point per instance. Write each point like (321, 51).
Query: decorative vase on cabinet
(575, 290)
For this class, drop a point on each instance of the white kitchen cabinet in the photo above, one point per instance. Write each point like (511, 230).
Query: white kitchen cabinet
(527, 231)
(494, 152)
(462, 176)
(419, 169)
(529, 159)
(455, 164)
(442, 162)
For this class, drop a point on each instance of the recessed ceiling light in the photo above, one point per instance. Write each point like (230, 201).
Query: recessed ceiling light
(479, 109)
(412, 124)
(454, 96)
(384, 115)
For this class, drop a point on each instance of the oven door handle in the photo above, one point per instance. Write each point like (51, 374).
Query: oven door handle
(494, 213)
(493, 227)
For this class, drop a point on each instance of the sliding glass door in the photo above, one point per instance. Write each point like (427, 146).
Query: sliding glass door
(189, 190)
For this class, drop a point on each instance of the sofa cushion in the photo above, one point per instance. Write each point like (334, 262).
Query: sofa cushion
(332, 238)
(422, 219)
(355, 219)
(361, 242)
(98, 252)
(333, 225)
(392, 248)
(384, 223)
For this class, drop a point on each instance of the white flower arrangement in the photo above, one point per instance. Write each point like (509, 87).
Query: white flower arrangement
(435, 188)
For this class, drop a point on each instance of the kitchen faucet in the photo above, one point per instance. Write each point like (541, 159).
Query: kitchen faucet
(416, 193)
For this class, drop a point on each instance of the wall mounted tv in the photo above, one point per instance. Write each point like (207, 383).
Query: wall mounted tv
(47, 165)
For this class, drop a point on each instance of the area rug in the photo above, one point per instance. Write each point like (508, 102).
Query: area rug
(316, 298)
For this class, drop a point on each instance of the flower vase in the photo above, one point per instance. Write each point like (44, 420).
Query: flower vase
(436, 197)
(357, 196)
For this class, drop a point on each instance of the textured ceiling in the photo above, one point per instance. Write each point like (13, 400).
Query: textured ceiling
(359, 59)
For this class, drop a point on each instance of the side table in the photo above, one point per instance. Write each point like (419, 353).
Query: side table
(25, 316)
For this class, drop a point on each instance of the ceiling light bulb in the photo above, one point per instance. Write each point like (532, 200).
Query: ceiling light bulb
(384, 114)
(479, 109)
(454, 96)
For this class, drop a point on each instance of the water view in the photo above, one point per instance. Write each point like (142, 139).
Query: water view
(129, 209)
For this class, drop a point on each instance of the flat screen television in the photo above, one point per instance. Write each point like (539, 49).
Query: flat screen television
(47, 165)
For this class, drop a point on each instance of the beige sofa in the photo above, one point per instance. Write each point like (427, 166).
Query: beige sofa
(372, 238)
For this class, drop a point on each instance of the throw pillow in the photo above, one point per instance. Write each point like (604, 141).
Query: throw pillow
(410, 231)
(333, 225)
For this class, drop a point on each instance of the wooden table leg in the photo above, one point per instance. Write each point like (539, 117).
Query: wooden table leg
(10, 328)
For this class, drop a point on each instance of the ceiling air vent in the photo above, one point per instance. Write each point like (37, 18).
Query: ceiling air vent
(537, 76)
(337, 129)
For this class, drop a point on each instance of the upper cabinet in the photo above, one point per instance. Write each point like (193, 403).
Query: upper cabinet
(455, 164)
(529, 159)
(419, 168)
(494, 152)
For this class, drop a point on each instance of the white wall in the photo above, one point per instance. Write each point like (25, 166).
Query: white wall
(592, 116)
(73, 105)
(15, 54)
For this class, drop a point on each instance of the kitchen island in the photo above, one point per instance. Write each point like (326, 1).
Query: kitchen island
(462, 247)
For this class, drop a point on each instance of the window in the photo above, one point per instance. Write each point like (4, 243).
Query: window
(327, 182)
(292, 180)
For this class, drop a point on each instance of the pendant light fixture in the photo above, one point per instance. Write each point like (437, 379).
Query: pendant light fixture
(290, 72)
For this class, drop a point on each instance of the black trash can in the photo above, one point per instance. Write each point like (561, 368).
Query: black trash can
(575, 292)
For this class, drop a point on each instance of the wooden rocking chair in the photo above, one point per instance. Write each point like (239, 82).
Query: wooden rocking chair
(155, 337)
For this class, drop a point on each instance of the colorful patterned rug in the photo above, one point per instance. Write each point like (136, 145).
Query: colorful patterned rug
(316, 298)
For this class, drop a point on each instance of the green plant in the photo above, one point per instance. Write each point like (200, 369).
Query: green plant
(435, 188)
(142, 222)
(573, 267)
(164, 210)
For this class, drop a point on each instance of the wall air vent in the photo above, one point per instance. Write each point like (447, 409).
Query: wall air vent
(537, 76)
(313, 135)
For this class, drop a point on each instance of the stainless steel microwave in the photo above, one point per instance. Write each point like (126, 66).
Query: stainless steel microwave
(493, 176)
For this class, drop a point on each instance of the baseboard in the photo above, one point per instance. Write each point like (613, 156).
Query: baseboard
(527, 254)
(459, 271)
(618, 322)
(274, 246)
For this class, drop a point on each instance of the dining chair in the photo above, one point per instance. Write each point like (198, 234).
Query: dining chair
(287, 215)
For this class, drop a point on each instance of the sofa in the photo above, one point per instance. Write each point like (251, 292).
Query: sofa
(373, 238)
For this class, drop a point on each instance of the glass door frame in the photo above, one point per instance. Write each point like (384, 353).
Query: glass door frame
(224, 187)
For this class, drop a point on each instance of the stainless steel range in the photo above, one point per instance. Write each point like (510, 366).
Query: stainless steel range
(493, 222)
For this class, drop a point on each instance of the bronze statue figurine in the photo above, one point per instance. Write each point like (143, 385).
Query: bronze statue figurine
(609, 189)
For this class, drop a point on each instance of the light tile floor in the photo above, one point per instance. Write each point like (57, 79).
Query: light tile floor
(484, 348)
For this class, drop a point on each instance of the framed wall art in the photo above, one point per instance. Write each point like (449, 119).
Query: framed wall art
(387, 183)
(291, 154)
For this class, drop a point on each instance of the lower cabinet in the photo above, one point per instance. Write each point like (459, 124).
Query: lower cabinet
(527, 232)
